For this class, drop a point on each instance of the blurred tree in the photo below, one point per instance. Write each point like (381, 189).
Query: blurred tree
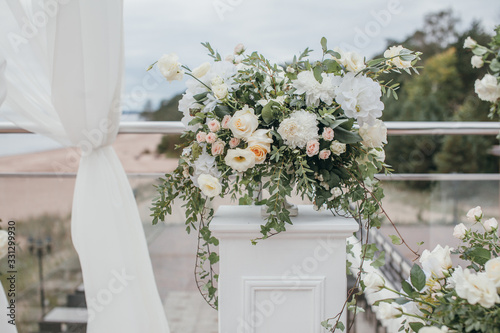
(444, 91)
(168, 110)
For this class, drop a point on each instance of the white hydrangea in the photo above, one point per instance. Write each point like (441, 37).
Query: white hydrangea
(299, 128)
(359, 96)
(187, 102)
(205, 164)
(307, 84)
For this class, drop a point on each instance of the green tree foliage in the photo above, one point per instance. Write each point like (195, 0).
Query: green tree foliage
(168, 111)
(444, 91)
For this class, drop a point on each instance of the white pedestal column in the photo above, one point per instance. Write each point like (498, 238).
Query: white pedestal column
(290, 282)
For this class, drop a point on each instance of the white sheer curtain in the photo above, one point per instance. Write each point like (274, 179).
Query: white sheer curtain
(64, 73)
(5, 327)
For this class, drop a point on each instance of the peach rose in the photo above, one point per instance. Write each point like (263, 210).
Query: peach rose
(328, 134)
(234, 142)
(213, 125)
(225, 121)
(312, 148)
(201, 137)
(324, 154)
(260, 153)
(211, 137)
(218, 148)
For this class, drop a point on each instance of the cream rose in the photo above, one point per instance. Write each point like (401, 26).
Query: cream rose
(209, 185)
(477, 61)
(374, 136)
(492, 269)
(488, 88)
(490, 224)
(240, 159)
(243, 123)
(170, 68)
(389, 310)
(220, 91)
(373, 281)
(475, 288)
(328, 134)
(4, 241)
(459, 231)
(352, 61)
(201, 70)
(474, 214)
(437, 262)
(469, 43)
(338, 148)
(393, 52)
(259, 143)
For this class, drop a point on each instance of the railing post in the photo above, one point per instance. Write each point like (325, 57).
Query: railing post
(290, 282)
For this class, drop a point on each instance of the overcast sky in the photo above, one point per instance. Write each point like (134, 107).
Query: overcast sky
(278, 29)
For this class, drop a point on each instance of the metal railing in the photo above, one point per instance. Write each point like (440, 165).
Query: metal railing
(394, 127)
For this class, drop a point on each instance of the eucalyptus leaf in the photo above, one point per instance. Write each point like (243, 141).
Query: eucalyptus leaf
(347, 137)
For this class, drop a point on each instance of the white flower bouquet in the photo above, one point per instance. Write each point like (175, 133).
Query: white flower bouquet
(307, 126)
(441, 298)
(488, 88)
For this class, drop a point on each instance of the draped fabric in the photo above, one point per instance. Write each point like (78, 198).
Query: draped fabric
(64, 73)
(5, 327)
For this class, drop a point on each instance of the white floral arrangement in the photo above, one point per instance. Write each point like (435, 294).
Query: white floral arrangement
(438, 297)
(488, 88)
(307, 126)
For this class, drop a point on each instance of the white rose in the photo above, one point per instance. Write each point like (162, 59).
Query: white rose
(220, 91)
(475, 288)
(353, 62)
(374, 136)
(240, 159)
(201, 70)
(469, 43)
(477, 61)
(336, 192)
(490, 224)
(4, 241)
(373, 281)
(436, 262)
(459, 231)
(488, 88)
(474, 214)
(393, 54)
(209, 185)
(170, 68)
(337, 148)
(492, 269)
(243, 123)
(389, 311)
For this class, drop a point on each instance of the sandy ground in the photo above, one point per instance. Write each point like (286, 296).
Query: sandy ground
(25, 197)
